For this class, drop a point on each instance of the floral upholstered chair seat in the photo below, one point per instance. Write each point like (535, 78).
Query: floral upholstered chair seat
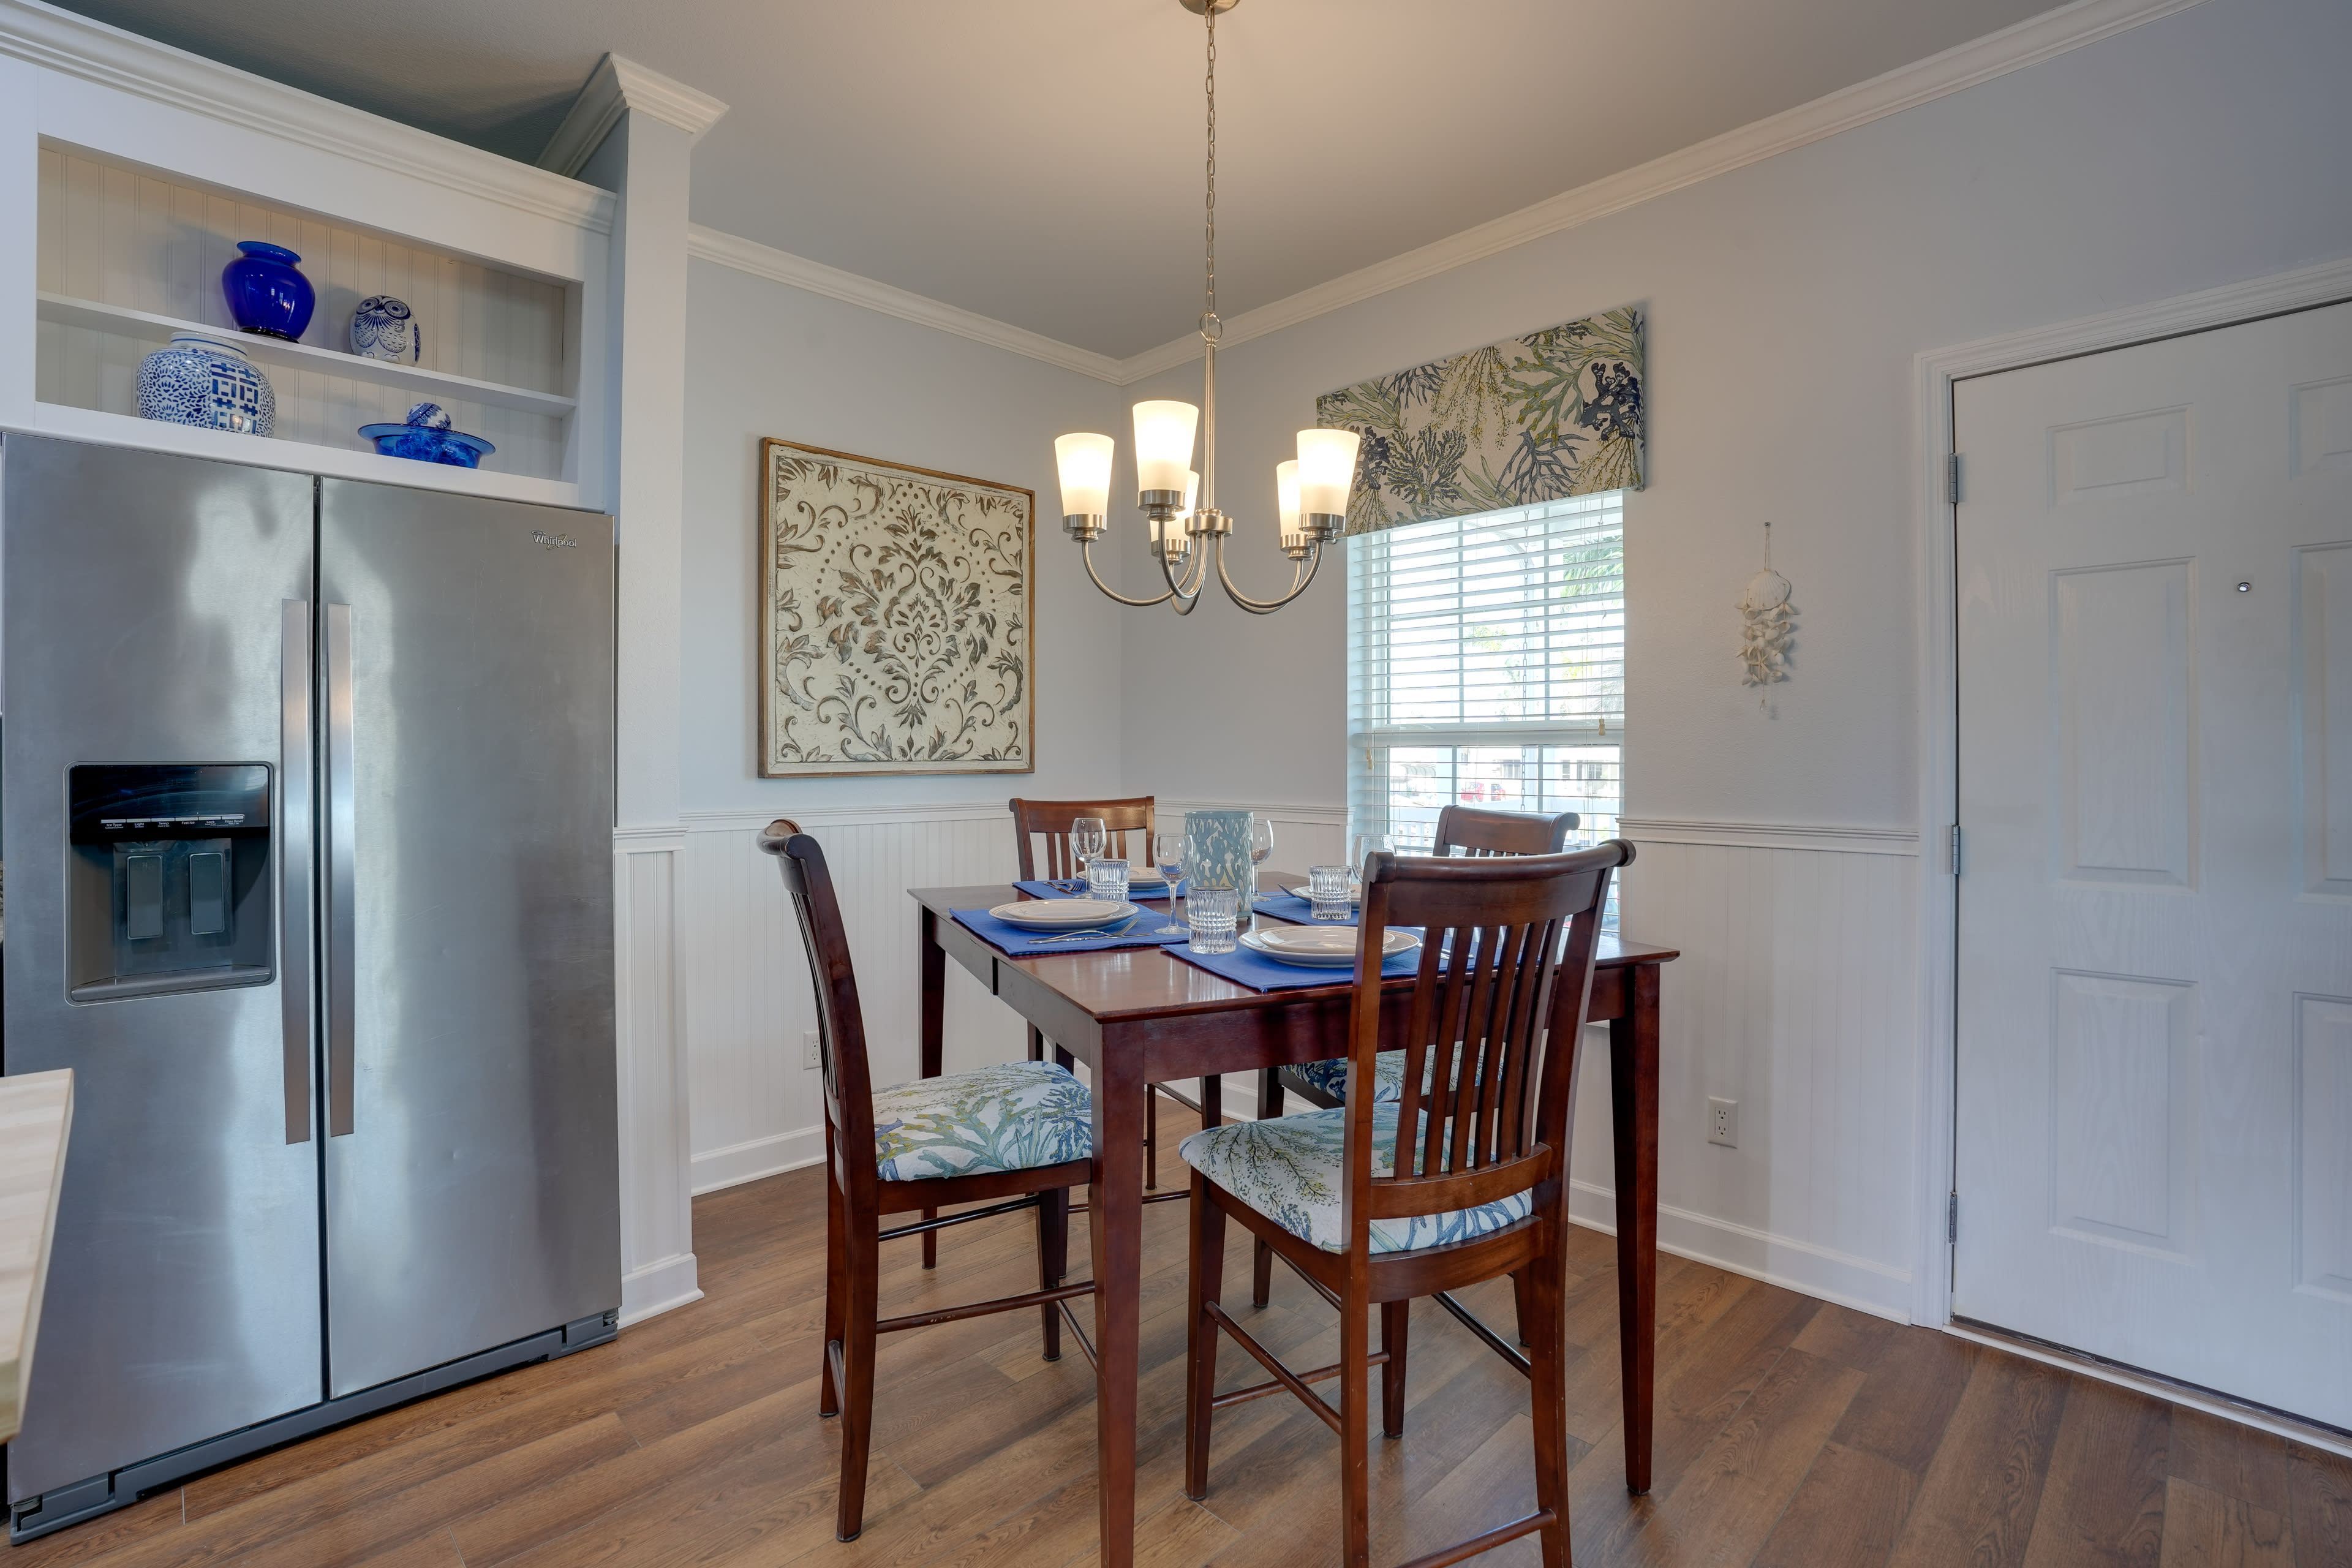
(1288, 1169)
(1387, 1076)
(1014, 1116)
(1331, 1077)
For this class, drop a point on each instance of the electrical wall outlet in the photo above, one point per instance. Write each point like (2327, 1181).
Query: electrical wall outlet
(809, 1056)
(1723, 1121)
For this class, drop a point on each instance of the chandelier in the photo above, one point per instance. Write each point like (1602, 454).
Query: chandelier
(1179, 503)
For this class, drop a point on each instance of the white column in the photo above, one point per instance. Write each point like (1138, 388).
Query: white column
(633, 132)
(20, 209)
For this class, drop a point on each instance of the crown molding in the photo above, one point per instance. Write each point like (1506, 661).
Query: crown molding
(75, 45)
(1964, 66)
(619, 86)
(851, 287)
(2012, 49)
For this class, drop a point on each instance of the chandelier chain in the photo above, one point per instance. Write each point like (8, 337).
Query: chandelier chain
(1212, 327)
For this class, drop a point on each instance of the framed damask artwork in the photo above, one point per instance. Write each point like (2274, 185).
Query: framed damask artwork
(895, 614)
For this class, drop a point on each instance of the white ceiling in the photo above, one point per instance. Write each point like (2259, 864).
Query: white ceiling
(1040, 161)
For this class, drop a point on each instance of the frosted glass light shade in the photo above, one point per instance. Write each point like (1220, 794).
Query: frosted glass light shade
(1326, 470)
(1285, 499)
(1084, 463)
(1163, 443)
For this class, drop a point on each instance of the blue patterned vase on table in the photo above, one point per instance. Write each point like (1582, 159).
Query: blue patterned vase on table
(385, 327)
(1220, 853)
(206, 381)
(266, 292)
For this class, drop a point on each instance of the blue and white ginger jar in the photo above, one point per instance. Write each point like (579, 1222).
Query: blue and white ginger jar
(385, 327)
(206, 381)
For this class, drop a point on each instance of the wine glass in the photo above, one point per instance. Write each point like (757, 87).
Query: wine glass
(1261, 837)
(1087, 840)
(1168, 854)
(1362, 847)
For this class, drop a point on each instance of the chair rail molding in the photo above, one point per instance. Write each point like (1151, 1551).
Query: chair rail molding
(1771, 835)
(619, 86)
(813, 816)
(1933, 371)
(110, 56)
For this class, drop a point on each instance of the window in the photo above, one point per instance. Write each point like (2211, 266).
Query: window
(1486, 665)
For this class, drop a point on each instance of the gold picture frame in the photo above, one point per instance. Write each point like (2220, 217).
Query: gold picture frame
(896, 618)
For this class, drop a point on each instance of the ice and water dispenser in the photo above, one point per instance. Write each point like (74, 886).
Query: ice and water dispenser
(167, 878)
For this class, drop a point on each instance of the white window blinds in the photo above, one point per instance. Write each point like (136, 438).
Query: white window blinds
(1486, 665)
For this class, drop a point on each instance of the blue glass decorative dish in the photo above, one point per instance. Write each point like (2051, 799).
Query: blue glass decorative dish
(426, 437)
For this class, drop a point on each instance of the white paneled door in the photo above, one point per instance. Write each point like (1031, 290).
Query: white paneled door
(2155, 967)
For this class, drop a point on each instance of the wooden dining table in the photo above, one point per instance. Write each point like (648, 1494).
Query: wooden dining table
(1140, 1015)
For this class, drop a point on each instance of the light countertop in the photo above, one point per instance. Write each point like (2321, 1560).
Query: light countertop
(36, 1110)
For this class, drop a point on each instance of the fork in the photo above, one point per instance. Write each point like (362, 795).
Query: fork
(1125, 926)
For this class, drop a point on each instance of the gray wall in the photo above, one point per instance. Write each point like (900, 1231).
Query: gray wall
(1785, 303)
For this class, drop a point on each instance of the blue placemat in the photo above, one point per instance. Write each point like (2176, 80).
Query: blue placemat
(1296, 906)
(1260, 972)
(1141, 930)
(1074, 889)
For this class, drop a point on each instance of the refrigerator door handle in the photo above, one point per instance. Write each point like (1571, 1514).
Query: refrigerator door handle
(342, 806)
(294, 956)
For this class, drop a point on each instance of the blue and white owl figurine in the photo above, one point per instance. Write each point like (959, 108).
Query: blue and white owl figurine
(385, 327)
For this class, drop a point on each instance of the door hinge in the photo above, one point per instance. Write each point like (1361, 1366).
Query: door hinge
(1952, 1222)
(1952, 478)
(1955, 848)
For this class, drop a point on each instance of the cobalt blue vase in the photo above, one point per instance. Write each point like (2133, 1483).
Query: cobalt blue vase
(266, 293)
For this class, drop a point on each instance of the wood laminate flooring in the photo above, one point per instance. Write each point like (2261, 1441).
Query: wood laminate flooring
(1790, 1434)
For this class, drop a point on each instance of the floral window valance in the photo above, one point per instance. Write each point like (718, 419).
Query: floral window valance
(1555, 413)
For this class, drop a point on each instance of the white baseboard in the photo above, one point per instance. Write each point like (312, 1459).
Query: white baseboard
(655, 1287)
(770, 1157)
(1878, 1288)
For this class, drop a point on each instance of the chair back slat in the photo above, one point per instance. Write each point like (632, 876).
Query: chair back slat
(1498, 1003)
(841, 1021)
(1470, 830)
(1049, 821)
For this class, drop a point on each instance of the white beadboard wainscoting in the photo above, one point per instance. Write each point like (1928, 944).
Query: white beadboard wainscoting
(757, 1109)
(1794, 997)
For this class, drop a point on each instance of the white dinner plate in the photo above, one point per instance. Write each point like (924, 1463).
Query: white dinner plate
(1054, 914)
(1302, 893)
(1321, 947)
(1151, 882)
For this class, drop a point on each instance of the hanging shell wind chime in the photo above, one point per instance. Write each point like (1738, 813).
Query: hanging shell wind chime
(1768, 625)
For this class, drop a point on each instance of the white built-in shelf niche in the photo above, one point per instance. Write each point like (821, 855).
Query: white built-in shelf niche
(129, 256)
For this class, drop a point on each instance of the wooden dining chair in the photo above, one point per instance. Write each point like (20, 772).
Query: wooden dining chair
(1015, 1136)
(1046, 823)
(1462, 830)
(1474, 831)
(1381, 1201)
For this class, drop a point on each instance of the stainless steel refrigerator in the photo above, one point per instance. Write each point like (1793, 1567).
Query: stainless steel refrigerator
(306, 808)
